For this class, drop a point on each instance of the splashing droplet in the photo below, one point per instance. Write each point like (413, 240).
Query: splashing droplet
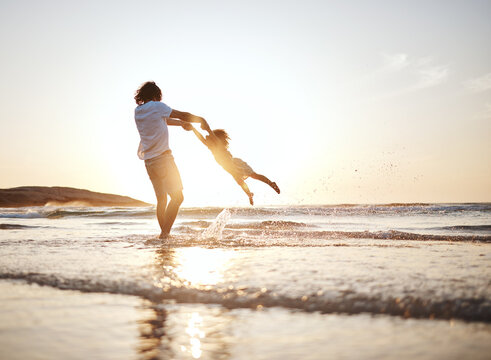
(214, 231)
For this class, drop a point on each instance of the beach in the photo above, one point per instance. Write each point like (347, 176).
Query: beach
(328, 163)
(312, 282)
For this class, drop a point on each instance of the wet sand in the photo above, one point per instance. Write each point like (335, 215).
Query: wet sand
(40, 322)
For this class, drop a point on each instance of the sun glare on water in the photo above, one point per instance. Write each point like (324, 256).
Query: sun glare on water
(198, 267)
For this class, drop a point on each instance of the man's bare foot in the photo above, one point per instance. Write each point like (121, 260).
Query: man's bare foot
(251, 200)
(164, 236)
(275, 187)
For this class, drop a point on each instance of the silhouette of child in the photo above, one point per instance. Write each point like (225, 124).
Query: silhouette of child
(217, 142)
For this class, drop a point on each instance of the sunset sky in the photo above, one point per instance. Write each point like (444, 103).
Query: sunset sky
(336, 101)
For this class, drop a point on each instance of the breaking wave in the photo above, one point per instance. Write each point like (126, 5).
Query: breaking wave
(348, 209)
(470, 309)
(57, 213)
(268, 224)
(257, 238)
(325, 210)
(473, 228)
(379, 235)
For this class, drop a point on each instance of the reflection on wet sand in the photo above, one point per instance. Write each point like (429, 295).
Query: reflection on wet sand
(152, 330)
(186, 331)
(195, 334)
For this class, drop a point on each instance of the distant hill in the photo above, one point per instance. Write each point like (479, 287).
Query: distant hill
(55, 195)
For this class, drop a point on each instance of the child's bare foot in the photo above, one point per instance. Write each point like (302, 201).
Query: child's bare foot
(251, 200)
(275, 187)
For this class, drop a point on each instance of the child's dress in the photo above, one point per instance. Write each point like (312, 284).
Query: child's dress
(242, 168)
(238, 168)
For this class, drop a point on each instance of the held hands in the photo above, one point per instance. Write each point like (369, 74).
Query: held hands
(187, 126)
(204, 125)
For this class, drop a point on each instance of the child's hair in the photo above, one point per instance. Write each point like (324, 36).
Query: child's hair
(147, 92)
(222, 135)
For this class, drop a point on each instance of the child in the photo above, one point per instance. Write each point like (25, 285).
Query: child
(217, 142)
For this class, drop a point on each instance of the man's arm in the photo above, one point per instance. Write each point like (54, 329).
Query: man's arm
(185, 116)
(175, 122)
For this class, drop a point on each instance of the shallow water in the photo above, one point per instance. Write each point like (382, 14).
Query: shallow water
(271, 270)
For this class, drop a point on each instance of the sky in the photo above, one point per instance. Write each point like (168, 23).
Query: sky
(336, 101)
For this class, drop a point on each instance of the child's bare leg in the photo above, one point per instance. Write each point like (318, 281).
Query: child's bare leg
(264, 179)
(244, 187)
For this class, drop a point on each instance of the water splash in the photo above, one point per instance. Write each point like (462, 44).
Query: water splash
(214, 231)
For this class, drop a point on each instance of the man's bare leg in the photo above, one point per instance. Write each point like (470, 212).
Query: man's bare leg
(264, 179)
(161, 209)
(169, 217)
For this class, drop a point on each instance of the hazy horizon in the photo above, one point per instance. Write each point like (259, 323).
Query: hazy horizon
(338, 102)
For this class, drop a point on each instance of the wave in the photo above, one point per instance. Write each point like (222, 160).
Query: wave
(271, 224)
(57, 213)
(211, 212)
(61, 213)
(123, 223)
(394, 209)
(29, 214)
(15, 226)
(189, 237)
(214, 211)
(198, 223)
(268, 224)
(349, 302)
(377, 235)
(347, 209)
(472, 228)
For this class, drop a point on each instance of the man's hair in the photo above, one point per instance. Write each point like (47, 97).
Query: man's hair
(147, 92)
(222, 135)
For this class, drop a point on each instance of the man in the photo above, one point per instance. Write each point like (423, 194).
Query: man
(152, 117)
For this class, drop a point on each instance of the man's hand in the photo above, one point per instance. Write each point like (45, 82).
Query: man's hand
(187, 126)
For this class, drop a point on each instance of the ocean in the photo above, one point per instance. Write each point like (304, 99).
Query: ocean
(391, 281)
